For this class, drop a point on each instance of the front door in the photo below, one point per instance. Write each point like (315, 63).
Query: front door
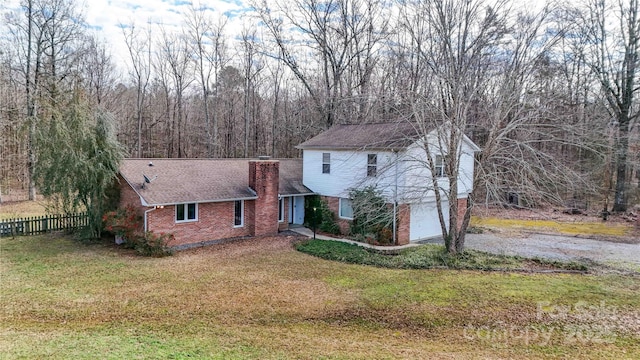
(296, 210)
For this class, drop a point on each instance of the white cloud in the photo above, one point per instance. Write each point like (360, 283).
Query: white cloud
(103, 17)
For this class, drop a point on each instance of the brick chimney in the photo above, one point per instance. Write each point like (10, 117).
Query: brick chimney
(264, 177)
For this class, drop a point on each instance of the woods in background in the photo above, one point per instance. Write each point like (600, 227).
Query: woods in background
(549, 94)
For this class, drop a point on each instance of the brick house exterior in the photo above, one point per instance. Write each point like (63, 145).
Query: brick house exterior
(200, 200)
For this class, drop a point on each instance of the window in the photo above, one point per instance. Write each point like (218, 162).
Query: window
(439, 170)
(186, 212)
(346, 211)
(238, 213)
(326, 163)
(372, 165)
(281, 210)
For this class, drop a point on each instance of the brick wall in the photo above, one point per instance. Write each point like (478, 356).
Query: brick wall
(128, 197)
(215, 221)
(462, 208)
(334, 205)
(403, 226)
(264, 178)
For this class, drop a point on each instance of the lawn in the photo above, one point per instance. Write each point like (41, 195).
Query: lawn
(22, 209)
(262, 299)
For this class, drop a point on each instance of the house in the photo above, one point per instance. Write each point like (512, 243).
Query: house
(199, 200)
(390, 157)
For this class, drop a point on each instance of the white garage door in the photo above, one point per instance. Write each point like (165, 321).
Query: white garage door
(424, 221)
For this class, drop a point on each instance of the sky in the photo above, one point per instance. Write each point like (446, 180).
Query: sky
(104, 17)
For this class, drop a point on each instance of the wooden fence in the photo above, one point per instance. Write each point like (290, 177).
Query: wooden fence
(43, 224)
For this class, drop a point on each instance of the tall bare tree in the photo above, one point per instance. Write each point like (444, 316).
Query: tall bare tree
(46, 35)
(173, 51)
(611, 37)
(139, 48)
(209, 46)
(343, 37)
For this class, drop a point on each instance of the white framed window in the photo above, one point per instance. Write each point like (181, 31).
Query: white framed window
(281, 210)
(326, 163)
(346, 210)
(186, 212)
(238, 213)
(439, 170)
(372, 165)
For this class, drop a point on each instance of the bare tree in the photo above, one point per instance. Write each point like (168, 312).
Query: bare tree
(252, 66)
(612, 51)
(174, 51)
(342, 35)
(98, 70)
(45, 34)
(208, 42)
(481, 68)
(139, 47)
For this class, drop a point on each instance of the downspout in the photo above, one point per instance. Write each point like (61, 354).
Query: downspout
(145, 218)
(395, 201)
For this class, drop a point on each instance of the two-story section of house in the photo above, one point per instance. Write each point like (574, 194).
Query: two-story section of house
(392, 157)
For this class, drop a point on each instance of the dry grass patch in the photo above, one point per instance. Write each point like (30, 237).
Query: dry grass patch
(260, 299)
(569, 228)
(21, 209)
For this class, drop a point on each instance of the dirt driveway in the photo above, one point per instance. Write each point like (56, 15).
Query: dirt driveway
(558, 247)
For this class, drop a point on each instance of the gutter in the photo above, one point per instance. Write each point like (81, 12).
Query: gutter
(145, 219)
(205, 201)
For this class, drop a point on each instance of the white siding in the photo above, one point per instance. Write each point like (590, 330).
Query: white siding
(417, 185)
(348, 171)
(467, 163)
(424, 221)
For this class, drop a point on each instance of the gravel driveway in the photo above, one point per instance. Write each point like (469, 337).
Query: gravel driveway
(558, 247)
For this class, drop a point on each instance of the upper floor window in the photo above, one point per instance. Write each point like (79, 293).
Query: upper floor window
(238, 213)
(186, 212)
(439, 170)
(372, 165)
(346, 209)
(326, 163)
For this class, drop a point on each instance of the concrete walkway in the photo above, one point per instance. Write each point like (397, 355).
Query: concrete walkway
(309, 233)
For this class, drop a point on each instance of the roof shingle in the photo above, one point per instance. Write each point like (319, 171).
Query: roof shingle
(388, 136)
(203, 180)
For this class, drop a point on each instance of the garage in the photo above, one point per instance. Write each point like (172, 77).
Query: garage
(424, 220)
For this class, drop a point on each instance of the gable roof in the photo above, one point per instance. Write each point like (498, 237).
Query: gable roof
(177, 181)
(387, 136)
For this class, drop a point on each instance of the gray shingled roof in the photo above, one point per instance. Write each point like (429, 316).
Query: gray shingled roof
(395, 135)
(203, 180)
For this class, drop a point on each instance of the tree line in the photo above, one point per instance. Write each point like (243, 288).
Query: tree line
(549, 94)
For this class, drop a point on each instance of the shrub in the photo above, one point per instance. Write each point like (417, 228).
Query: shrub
(152, 244)
(127, 223)
(372, 216)
(323, 218)
(423, 257)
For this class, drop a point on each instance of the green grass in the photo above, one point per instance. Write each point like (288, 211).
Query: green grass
(261, 299)
(428, 256)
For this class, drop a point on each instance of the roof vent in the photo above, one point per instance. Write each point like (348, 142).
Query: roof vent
(150, 163)
(264, 157)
